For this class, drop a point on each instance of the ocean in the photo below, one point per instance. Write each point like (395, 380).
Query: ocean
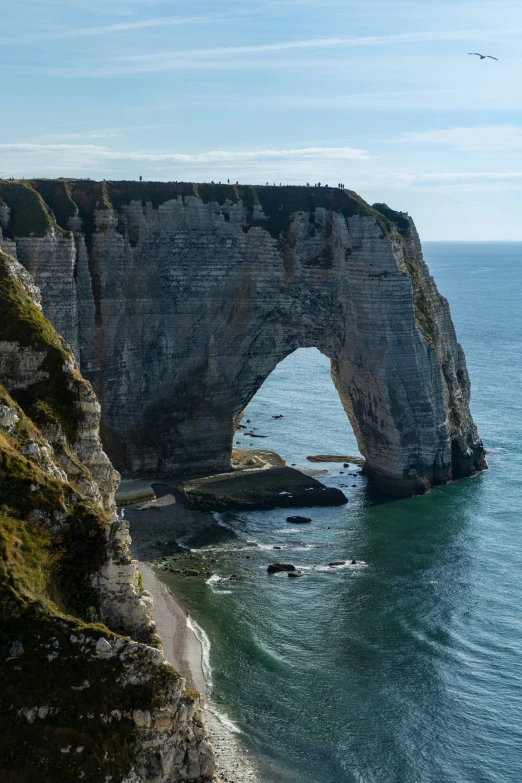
(407, 667)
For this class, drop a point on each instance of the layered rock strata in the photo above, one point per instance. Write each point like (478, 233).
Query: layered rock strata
(179, 300)
(78, 699)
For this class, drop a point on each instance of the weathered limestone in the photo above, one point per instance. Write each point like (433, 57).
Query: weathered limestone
(153, 726)
(184, 298)
(80, 456)
(81, 461)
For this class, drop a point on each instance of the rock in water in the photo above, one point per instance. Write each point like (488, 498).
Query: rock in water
(299, 520)
(225, 282)
(251, 489)
(275, 568)
(295, 574)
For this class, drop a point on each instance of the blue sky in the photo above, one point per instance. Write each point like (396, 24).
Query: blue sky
(379, 95)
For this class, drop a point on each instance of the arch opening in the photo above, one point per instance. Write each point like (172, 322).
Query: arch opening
(297, 412)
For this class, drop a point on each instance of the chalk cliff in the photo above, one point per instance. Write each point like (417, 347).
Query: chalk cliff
(179, 300)
(86, 693)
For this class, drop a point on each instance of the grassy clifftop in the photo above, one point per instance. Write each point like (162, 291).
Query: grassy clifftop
(38, 204)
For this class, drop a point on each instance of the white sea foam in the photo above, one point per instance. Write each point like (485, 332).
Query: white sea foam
(214, 580)
(269, 547)
(226, 722)
(325, 567)
(204, 641)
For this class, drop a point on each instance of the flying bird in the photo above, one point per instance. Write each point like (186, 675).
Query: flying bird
(483, 56)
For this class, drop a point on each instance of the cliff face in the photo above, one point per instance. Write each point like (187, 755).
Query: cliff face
(179, 300)
(78, 700)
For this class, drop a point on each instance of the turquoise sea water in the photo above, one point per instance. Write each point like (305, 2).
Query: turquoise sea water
(407, 668)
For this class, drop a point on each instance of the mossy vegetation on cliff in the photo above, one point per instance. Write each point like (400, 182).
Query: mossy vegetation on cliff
(29, 213)
(52, 401)
(57, 195)
(399, 219)
(77, 547)
(51, 542)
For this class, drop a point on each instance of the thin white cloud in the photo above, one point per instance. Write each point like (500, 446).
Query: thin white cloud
(100, 135)
(84, 32)
(445, 182)
(469, 187)
(324, 43)
(284, 165)
(492, 138)
(407, 179)
(234, 57)
(213, 156)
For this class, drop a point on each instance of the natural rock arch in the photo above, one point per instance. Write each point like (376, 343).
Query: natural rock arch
(187, 297)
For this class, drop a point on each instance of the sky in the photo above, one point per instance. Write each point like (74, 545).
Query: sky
(380, 96)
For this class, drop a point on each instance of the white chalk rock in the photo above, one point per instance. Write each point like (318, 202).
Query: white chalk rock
(103, 648)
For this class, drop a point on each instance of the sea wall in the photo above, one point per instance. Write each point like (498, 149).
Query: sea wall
(179, 300)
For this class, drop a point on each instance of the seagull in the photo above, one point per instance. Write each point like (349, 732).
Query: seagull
(483, 56)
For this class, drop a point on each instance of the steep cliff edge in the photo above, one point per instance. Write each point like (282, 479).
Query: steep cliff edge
(180, 299)
(78, 699)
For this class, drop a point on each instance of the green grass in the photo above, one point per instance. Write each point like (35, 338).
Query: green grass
(57, 196)
(77, 549)
(400, 219)
(52, 400)
(30, 215)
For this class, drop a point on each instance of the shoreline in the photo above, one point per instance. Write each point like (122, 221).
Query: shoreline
(183, 645)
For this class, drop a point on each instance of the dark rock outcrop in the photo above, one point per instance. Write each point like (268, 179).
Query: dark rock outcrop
(258, 489)
(277, 568)
(180, 299)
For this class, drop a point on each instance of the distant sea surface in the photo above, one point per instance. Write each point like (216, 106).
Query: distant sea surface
(406, 668)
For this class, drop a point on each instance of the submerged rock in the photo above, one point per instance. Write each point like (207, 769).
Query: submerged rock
(298, 520)
(275, 568)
